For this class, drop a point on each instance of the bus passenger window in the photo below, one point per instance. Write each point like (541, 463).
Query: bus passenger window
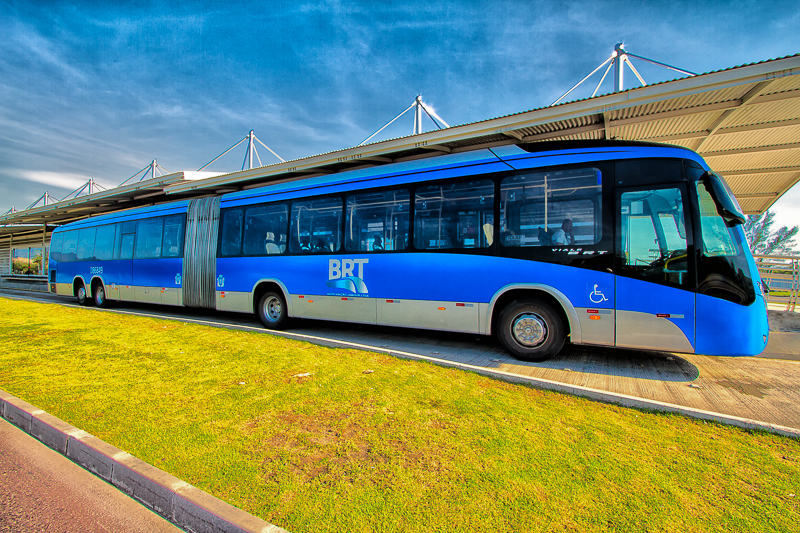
(123, 243)
(149, 233)
(316, 226)
(104, 242)
(265, 229)
(173, 236)
(230, 233)
(69, 250)
(56, 243)
(455, 215)
(377, 221)
(557, 208)
(86, 244)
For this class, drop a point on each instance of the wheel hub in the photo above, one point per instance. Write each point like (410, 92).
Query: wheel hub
(273, 308)
(529, 329)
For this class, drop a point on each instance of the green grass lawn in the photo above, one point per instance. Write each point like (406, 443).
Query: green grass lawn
(409, 446)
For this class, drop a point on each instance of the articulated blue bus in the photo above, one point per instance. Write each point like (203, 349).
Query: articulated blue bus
(624, 244)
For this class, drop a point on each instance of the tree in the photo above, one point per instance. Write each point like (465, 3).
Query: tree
(764, 241)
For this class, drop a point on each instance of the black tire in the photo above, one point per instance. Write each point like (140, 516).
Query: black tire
(531, 330)
(81, 296)
(272, 311)
(99, 296)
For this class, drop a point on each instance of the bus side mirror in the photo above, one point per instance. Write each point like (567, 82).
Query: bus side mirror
(727, 206)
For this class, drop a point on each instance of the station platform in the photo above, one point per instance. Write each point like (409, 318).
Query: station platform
(24, 283)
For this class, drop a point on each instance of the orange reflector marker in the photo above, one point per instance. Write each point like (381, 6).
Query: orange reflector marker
(310, 301)
(441, 308)
(594, 317)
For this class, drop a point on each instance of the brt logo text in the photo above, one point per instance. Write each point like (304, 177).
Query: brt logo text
(347, 275)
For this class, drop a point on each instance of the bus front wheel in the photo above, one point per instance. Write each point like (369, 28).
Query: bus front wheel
(531, 330)
(272, 310)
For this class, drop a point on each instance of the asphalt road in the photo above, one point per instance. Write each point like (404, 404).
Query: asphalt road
(41, 490)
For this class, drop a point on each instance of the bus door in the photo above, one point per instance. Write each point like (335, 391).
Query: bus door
(655, 301)
(123, 255)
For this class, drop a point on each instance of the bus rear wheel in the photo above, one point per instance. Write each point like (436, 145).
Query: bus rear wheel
(531, 330)
(272, 310)
(80, 295)
(100, 296)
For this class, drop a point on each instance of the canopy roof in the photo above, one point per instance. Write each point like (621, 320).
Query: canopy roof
(745, 121)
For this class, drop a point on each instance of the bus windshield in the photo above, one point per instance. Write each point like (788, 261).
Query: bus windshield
(722, 263)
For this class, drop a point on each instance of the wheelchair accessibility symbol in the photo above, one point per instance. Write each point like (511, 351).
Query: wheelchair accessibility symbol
(597, 296)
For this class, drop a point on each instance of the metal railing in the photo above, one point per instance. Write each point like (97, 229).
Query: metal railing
(781, 274)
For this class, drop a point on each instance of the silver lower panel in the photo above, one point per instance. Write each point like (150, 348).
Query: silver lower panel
(621, 328)
(645, 330)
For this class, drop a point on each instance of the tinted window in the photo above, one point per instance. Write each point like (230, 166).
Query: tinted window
(230, 234)
(56, 243)
(558, 208)
(377, 221)
(648, 171)
(316, 226)
(265, 229)
(86, 244)
(69, 249)
(722, 265)
(455, 215)
(172, 245)
(123, 243)
(148, 238)
(104, 242)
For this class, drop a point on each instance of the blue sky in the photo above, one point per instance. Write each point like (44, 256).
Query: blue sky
(100, 89)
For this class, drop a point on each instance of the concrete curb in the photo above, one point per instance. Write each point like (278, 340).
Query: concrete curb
(182, 504)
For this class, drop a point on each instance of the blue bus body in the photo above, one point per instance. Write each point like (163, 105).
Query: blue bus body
(617, 244)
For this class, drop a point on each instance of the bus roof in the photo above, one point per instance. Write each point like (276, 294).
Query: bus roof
(476, 162)
(171, 208)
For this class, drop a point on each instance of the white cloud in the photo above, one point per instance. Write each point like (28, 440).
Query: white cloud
(59, 180)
